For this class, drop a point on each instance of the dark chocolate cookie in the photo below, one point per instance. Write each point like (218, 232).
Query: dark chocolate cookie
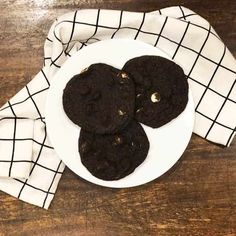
(161, 89)
(113, 156)
(100, 99)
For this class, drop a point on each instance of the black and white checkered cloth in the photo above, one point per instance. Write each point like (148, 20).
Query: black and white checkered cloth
(26, 156)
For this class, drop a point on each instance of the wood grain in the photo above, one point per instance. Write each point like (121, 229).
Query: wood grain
(196, 197)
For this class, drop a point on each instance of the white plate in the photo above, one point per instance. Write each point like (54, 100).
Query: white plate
(167, 143)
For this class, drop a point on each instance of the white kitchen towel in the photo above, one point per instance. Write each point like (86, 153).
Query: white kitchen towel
(26, 156)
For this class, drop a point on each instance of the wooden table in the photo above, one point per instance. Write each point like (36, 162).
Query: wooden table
(196, 197)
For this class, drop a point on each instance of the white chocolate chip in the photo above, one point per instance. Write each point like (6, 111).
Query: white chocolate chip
(124, 75)
(139, 110)
(121, 113)
(155, 97)
(84, 70)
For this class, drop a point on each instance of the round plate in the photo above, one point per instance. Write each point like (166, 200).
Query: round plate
(167, 143)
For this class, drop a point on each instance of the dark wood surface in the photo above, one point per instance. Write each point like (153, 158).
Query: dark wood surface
(196, 197)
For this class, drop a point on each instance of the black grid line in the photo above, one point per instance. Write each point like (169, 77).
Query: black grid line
(214, 91)
(120, 22)
(198, 54)
(58, 39)
(162, 28)
(44, 167)
(77, 41)
(54, 33)
(95, 31)
(220, 109)
(72, 41)
(16, 161)
(140, 27)
(82, 45)
(227, 144)
(51, 184)
(85, 43)
(40, 118)
(29, 185)
(81, 23)
(209, 83)
(40, 151)
(32, 162)
(42, 144)
(12, 118)
(96, 39)
(204, 57)
(26, 139)
(188, 15)
(14, 114)
(49, 39)
(53, 62)
(202, 27)
(181, 40)
(44, 75)
(17, 103)
(13, 140)
(160, 11)
(72, 33)
(182, 11)
(92, 25)
(33, 102)
(216, 122)
(68, 53)
(46, 59)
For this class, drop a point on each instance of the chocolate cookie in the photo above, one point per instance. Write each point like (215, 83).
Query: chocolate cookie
(161, 89)
(113, 156)
(100, 99)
